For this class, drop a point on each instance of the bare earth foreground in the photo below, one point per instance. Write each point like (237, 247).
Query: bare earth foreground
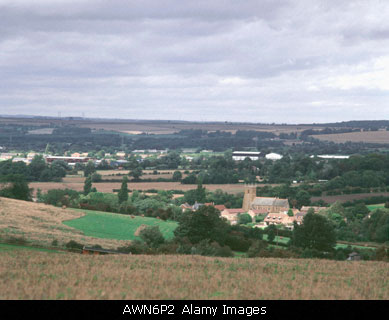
(41, 275)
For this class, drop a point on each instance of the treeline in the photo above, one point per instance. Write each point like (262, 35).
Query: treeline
(217, 141)
(310, 132)
(362, 171)
(363, 124)
(37, 170)
(160, 205)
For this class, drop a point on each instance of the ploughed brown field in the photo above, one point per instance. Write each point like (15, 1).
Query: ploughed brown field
(349, 197)
(366, 136)
(76, 276)
(78, 185)
(40, 224)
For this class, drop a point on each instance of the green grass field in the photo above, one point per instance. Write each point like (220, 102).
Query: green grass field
(285, 240)
(375, 206)
(117, 226)
(343, 245)
(278, 239)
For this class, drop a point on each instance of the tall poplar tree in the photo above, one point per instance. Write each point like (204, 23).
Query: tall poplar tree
(88, 185)
(123, 193)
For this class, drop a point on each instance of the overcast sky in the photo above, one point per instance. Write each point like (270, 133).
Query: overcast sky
(216, 60)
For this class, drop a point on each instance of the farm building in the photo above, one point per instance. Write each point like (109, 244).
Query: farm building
(354, 256)
(241, 155)
(69, 160)
(273, 156)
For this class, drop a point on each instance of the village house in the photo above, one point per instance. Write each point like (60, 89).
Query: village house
(76, 155)
(7, 156)
(31, 155)
(298, 217)
(280, 218)
(232, 215)
(121, 154)
(354, 256)
(18, 159)
(186, 206)
(254, 213)
(197, 205)
(220, 207)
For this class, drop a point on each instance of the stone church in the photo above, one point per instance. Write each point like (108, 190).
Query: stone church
(262, 205)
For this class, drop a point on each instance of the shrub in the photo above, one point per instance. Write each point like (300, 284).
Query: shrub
(256, 248)
(96, 177)
(207, 248)
(244, 218)
(168, 248)
(74, 245)
(16, 240)
(238, 243)
(138, 247)
(152, 236)
(225, 251)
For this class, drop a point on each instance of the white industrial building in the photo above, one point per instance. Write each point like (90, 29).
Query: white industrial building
(273, 156)
(241, 155)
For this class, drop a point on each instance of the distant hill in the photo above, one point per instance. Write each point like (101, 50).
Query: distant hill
(356, 124)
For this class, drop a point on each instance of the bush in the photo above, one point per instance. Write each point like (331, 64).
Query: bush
(59, 197)
(256, 248)
(138, 247)
(168, 248)
(74, 245)
(96, 177)
(213, 249)
(244, 218)
(238, 243)
(152, 236)
(225, 251)
(17, 240)
(311, 253)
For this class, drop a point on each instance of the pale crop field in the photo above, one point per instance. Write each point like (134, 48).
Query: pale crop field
(40, 275)
(78, 185)
(366, 136)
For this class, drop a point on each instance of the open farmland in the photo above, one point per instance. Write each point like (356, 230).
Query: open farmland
(365, 136)
(41, 224)
(74, 276)
(78, 185)
(156, 127)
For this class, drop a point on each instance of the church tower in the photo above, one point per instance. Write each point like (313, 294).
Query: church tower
(250, 192)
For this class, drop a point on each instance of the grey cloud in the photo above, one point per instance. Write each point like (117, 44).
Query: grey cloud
(218, 60)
